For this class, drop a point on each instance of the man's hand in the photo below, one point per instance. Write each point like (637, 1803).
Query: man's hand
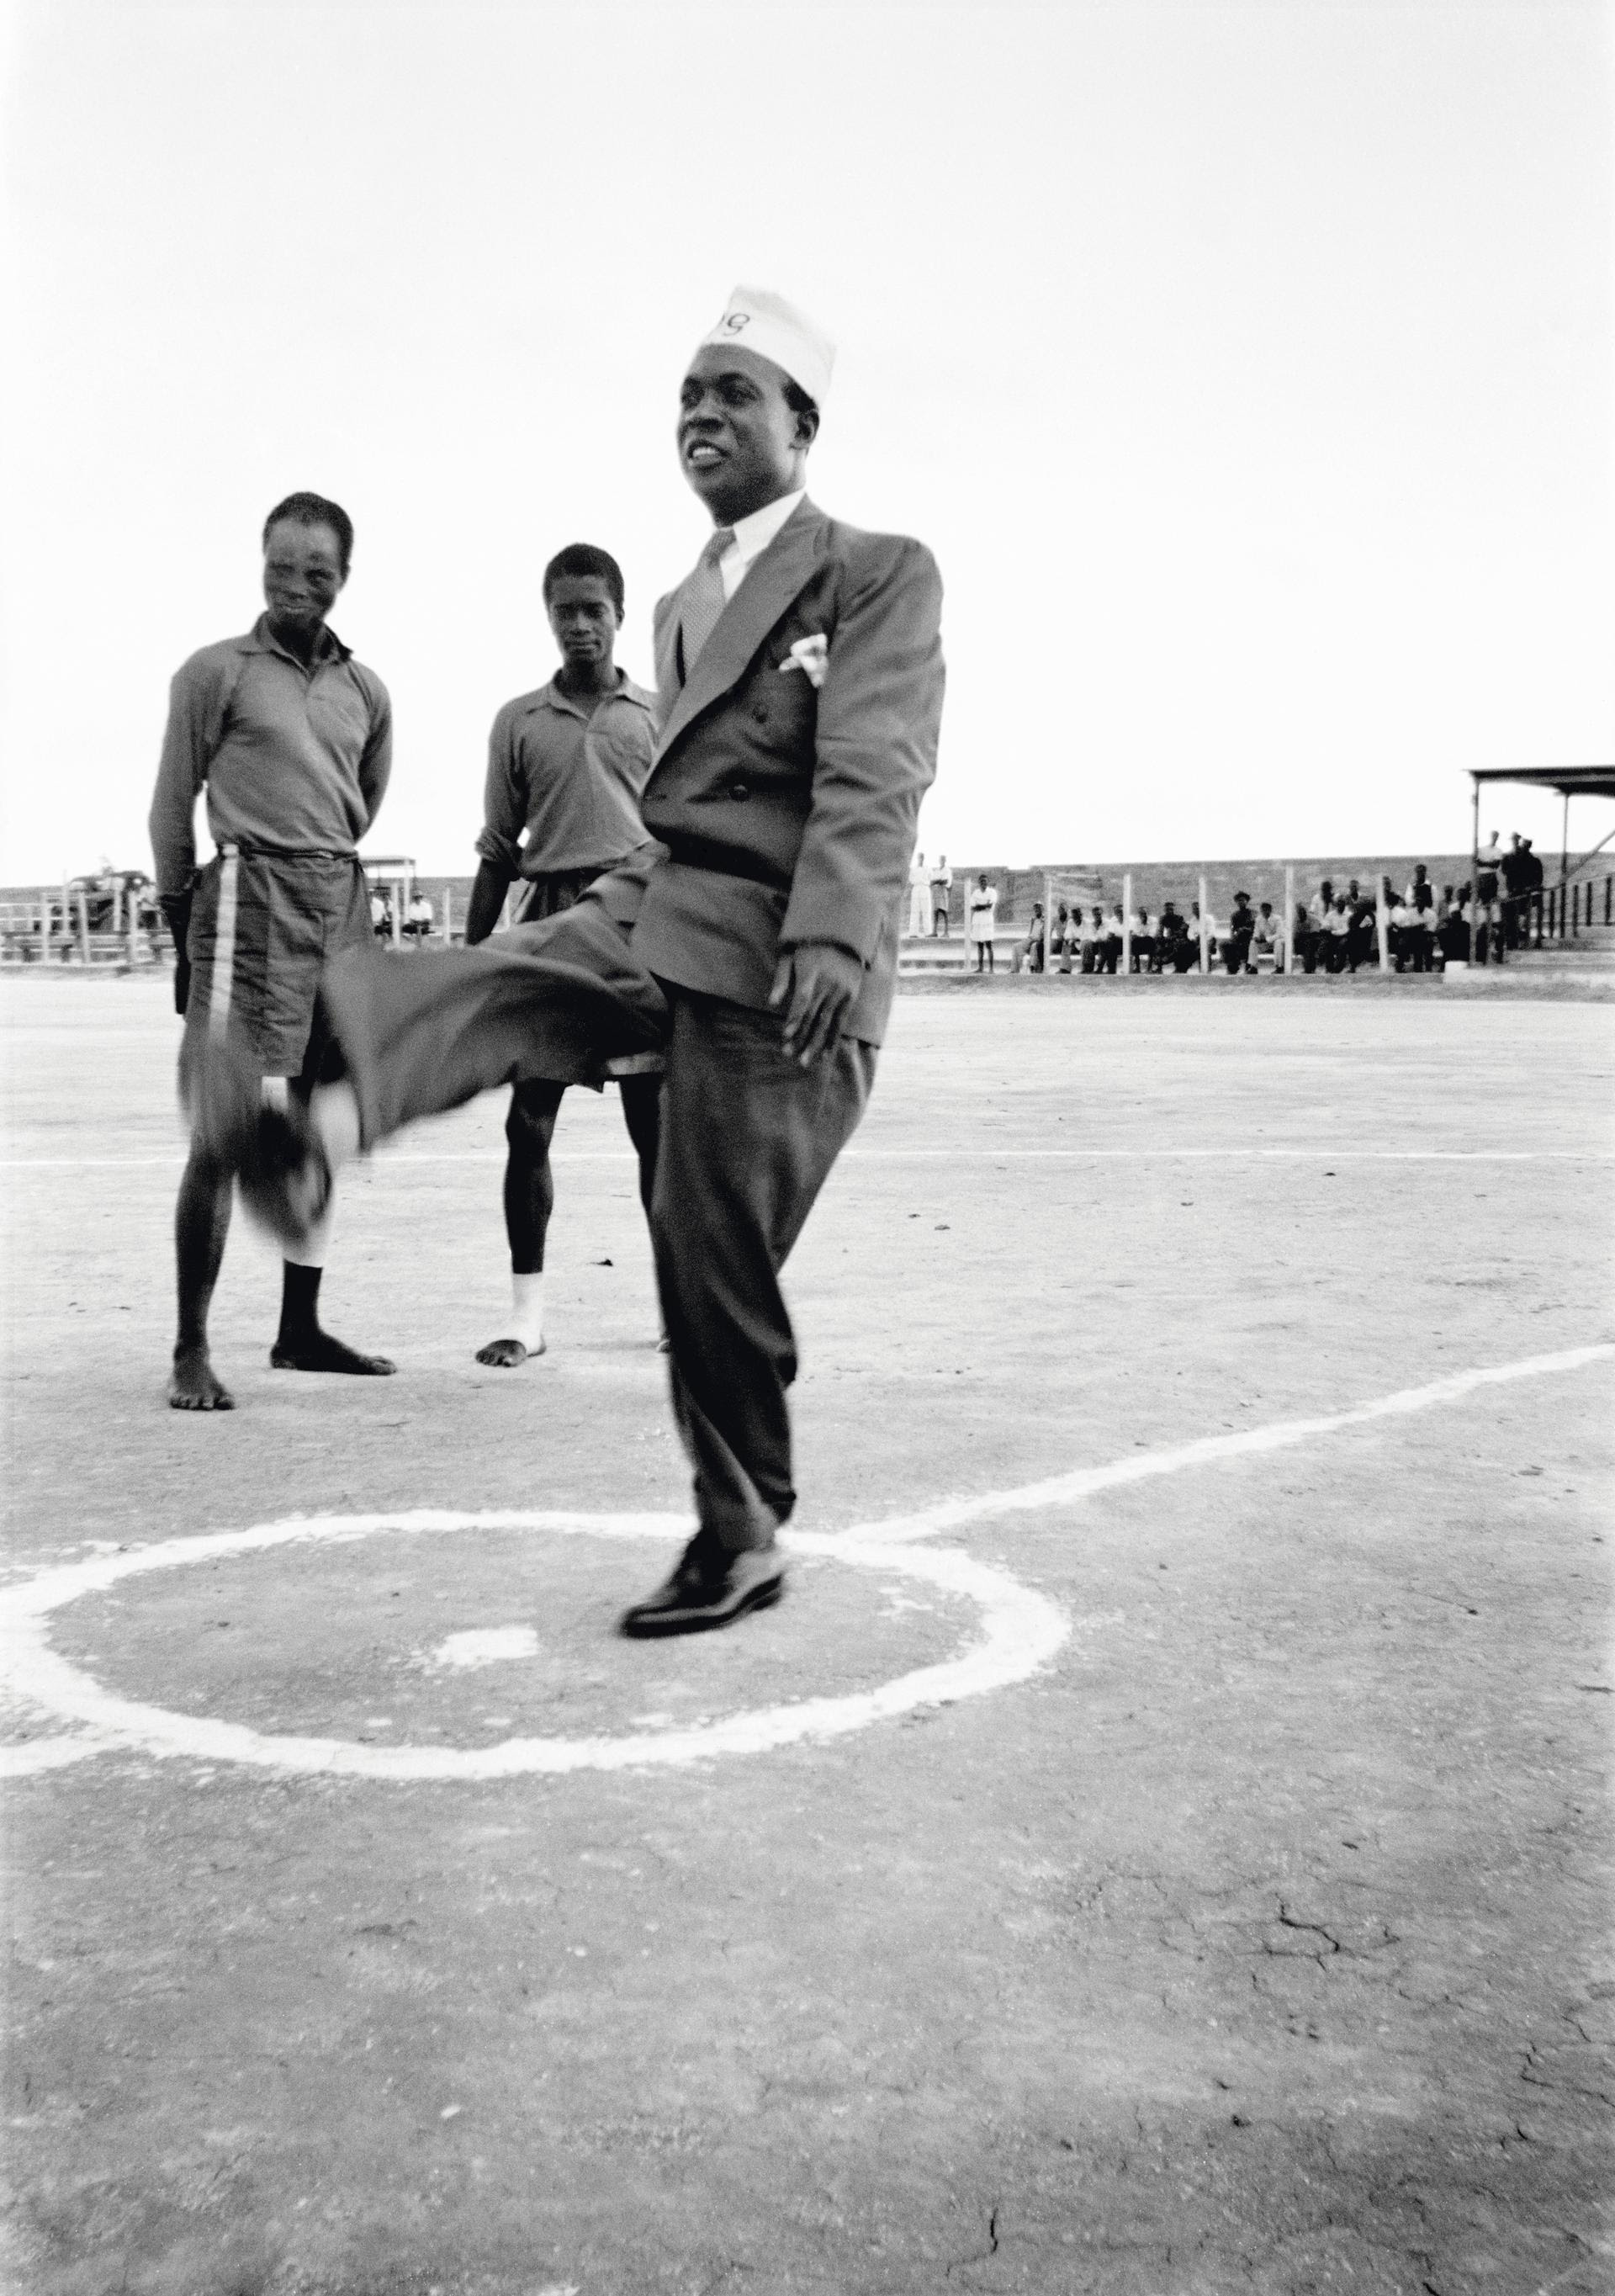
(815, 983)
(177, 908)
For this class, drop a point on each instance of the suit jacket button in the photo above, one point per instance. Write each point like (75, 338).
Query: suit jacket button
(739, 791)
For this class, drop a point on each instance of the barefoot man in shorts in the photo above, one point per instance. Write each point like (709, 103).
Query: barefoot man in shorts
(291, 740)
(755, 940)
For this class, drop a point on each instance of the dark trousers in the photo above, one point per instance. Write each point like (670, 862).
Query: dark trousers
(530, 1184)
(747, 1140)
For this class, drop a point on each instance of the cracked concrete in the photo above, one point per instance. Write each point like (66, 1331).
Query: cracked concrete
(1260, 1945)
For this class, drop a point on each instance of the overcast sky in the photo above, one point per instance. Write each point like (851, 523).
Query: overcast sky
(1248, 368)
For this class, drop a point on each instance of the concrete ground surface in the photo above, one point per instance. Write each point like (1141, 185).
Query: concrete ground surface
(1255, 1938)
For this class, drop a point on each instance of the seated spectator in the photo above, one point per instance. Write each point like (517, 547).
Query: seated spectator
(419, 917)
(1143, 940)
(1304, 937)
(1266, 935)
(1236, 944)
(1090, 938)
(1113, 926)
(1337, 926)
(381, 915)
(1033, 949)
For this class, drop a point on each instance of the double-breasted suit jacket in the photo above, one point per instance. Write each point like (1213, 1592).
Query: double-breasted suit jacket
(788, 810)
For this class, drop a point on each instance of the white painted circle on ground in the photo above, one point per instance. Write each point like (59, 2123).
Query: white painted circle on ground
(1022, 1630)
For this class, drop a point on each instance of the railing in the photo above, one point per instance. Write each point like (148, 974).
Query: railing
(52, 930)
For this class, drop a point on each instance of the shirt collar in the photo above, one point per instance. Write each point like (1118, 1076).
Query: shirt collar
(552, 697)
(330, 648)
(757, 530)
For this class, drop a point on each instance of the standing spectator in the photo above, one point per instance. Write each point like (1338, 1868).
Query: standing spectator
(1486, 908)
(1511, 870)
(941, 896)
(1034, 948)
(290, 738)
(1452, 933)
(1242, 925)
(983, 919)
(1531, 895)
(1360, 932)
(919, 886)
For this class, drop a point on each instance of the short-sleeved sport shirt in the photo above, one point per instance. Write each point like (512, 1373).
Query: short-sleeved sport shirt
(294, 757)
(563, 785)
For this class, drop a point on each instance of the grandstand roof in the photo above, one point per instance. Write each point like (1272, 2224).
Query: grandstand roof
(1570, 781)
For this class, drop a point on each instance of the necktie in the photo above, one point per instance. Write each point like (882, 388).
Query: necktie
(704, 599)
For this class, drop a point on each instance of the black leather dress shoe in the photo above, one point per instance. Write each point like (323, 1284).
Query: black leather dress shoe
(710, 1588)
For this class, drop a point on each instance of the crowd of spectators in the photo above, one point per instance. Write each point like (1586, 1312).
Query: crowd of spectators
(1338, 931)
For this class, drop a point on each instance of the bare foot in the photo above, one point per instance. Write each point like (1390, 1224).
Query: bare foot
(508, 1354)
(319, 1351)
(194, 1386)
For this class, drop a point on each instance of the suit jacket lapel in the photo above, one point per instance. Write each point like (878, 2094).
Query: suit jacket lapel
(771, 583)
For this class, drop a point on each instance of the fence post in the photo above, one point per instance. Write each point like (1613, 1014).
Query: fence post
(84, 926)
(45, 928)
(1205, 932)
(1381, 925)
(1127, 923)
(1289, 911)
(1048, 921)
(448, 912)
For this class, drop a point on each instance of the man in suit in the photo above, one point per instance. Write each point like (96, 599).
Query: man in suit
(801, 680)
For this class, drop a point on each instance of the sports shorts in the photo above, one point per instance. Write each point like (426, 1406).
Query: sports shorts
(549, 896)
(262, 925)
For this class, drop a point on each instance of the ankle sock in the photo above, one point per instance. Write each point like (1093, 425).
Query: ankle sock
(526, 1310)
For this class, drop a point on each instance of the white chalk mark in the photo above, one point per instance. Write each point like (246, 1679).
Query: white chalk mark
(1023, 1628)
(1022, 1631)
(1064, 1490)
(486, 1646)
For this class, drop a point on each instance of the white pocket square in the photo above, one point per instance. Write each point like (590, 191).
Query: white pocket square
(811, 656)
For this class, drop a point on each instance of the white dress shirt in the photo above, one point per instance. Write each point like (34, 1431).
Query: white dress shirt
(752, 535)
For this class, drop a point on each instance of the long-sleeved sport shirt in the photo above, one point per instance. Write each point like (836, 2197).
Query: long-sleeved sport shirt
(294, 758)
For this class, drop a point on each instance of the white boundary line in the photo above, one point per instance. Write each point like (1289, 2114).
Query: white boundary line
(1023, 1627)
(176, 1160)
(1063, 1490)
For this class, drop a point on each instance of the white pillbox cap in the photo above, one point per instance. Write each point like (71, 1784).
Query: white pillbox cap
(758, 320)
